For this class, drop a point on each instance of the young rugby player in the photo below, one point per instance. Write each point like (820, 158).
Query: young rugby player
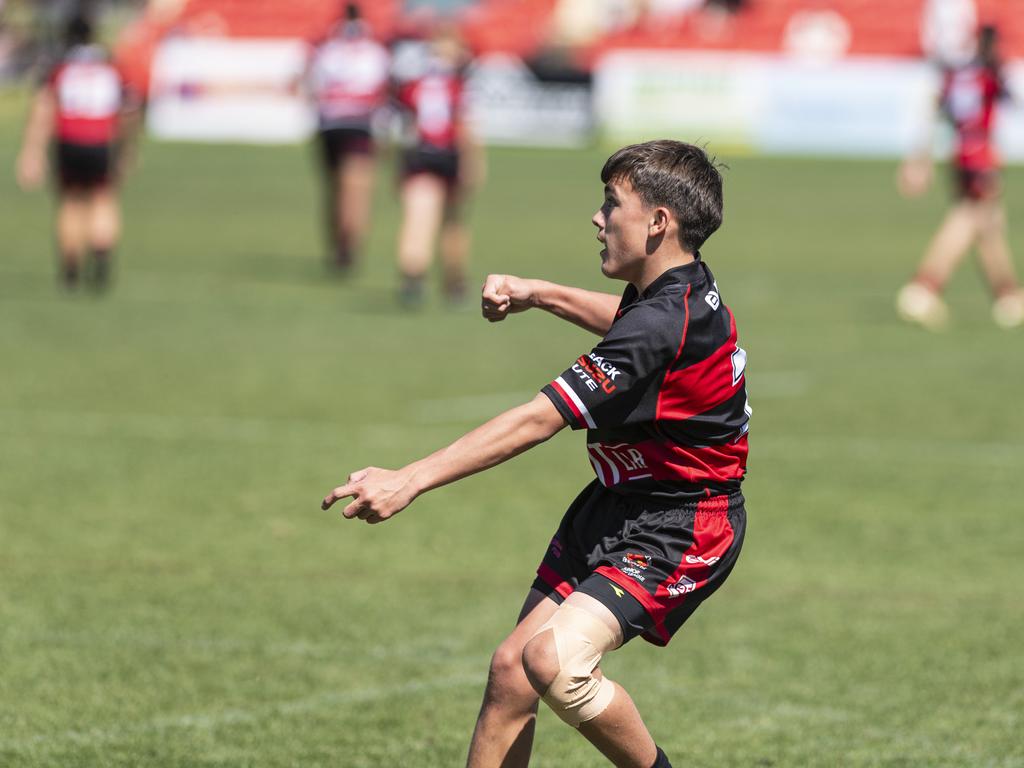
(440, 166)
(85, 110)
(348, 79)
(662, 397)
(969, 97)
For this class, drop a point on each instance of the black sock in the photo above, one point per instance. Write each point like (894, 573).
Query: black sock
(69, 275)
(662, 760)
(100, 267)
(410, 291)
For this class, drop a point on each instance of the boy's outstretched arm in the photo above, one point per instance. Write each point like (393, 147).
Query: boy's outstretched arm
(505, 294)
(31, 163)
(381, 493)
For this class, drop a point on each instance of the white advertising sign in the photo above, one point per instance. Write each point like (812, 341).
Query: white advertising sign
(773, 104)
(215, 89)
(507, 104)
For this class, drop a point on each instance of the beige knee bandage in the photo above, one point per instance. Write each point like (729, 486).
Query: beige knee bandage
(581, 639)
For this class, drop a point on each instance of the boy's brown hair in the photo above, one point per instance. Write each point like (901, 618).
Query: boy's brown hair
(678, 176)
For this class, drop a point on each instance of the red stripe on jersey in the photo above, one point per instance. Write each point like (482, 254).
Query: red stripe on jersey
(88, 97)
(576, 412)
(692, 464)
(969, 95)
(679, 352)
(552, 578)
(700, 387)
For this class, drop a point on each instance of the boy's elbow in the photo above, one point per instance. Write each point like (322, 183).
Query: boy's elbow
(544, 420)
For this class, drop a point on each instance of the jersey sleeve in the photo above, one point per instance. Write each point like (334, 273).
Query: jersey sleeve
(607, 387)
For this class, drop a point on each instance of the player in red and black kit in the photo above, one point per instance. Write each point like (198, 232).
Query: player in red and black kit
(439, 166)
(83, 109)
(663, 401)
(968, 100)
(348, 79)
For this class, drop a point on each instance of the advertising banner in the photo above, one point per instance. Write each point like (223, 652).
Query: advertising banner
(772, 104)
(508, 104)
(217, 89)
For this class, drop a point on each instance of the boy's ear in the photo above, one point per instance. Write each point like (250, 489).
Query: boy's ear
(660, 218)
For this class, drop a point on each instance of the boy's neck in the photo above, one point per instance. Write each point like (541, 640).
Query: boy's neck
(658, 263)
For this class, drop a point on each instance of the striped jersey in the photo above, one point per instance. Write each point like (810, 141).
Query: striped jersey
(969, 96)
(348, 75)
(89, 93)
(663, 396)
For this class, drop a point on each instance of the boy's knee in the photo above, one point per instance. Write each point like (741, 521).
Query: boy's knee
(540, 660)
(506, 663)
(560, 660)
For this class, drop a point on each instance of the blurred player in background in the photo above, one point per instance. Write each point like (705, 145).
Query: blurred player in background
(968, 100)
(662, 398)
(348, 78)
(439, 167)
(84, 111)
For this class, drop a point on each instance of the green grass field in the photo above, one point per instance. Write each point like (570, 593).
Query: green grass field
(172, 595)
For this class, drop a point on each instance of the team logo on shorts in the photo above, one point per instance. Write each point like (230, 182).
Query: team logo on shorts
(637, 561)
(682, 587)
(635, 565)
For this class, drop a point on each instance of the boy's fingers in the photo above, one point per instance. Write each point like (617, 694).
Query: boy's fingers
(355, 509)
(340, 492)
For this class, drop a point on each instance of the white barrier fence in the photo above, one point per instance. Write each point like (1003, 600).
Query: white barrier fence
(211, 89)
(867, 106)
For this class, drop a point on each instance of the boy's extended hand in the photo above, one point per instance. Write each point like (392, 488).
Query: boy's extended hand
(378, 494)
(504, 294)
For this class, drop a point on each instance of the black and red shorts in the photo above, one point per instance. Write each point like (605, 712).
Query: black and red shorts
(442, 163)
(975, 183)
(336, 143)
(650, 565)
(82, 167)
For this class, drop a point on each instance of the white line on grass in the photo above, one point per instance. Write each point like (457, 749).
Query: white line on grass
(206, 721)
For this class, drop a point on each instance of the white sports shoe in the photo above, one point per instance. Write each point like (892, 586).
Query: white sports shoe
(917, 304)
(1008, 311)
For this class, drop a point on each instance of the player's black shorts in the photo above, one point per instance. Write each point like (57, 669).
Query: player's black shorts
(975, 184)
(336, 143)
(443, 163)
(650, 565)
(83, 166)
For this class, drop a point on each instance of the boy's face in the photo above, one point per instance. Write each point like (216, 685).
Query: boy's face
(623, 225)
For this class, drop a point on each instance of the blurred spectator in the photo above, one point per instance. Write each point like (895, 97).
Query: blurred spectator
(822, 34)
(726, 6)
(948, 31)
(83, 108)
(968, 100)
(348, 80)
(582, 22)
(440, 166)
(716, 18)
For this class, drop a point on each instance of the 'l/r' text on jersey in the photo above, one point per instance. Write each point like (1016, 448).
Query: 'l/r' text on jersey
(663, 396)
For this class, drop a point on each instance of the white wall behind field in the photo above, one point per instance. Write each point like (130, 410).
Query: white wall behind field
(773, 104)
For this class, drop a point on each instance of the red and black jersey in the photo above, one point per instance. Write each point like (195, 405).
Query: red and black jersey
(663, 396)
(969, 96)
(348, 75)
(89, 94)
(434, 103)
